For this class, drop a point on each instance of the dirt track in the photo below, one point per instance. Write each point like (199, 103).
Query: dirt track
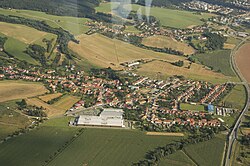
(243, 60)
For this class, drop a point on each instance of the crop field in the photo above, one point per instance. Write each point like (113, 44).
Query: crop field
(179, 158)
(49, 97)
(236, 98)
(218, 61)
(167, 42)
(207, 153)
(243, 59)
(11, 120)
(162, 70)
(167, 17)
(93, 147)
(66, 102)
(19, 37)
(74, 25)
(186, 106)
(11, 90)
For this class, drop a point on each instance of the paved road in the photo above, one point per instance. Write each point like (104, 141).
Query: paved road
(233, 133)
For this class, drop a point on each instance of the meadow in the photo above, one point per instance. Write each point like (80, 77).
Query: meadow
(207, 153)
(74, 25)
(105, 52)
(12, 90)
(49, 97)
(218, 61)
(179, 158)
(186, 106)
(167, 42)
(168, 17)
(236, 98)
(19, 37)
(93, 147)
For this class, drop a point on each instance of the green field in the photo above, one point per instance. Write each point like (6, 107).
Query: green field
(10, 120)
(236, 98)
(179, 158)
(167, 17)
(186, 106)
(218, 61)
(208, 153)
(74, 25)
(94, 146)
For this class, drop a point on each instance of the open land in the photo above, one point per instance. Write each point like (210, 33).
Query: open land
(11, 90)
(243, 59)
(167, 42)
(168, 17)
(74, 25)
(93, 147)
(166, 134)
(104, 52)
(49, 97)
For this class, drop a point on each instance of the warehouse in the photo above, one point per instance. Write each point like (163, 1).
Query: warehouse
(109, 117)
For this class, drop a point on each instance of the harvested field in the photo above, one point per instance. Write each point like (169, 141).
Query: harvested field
(49, 97)
(49, 109)
(22, 33)
(66, 102)
(11, 90)
(166, 134)
(167, 42)
(243, 59)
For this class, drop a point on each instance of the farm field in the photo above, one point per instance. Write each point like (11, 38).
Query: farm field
(167, 42)
(207, 153)
(11, 90)
(104, 52)
(109, 147)
(94, 146)
(236, 98)
(74, 25)
(11, 120)
(218, 61)
(66, 102)
(186, 106)
(49, 97)
(179, 158)
(168, 17)
(34, 147)
(242, 60)
(19, 37)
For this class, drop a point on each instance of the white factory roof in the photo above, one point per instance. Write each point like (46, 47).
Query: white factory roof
(108, 117)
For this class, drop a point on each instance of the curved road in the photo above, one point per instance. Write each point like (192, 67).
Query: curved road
(233, 133)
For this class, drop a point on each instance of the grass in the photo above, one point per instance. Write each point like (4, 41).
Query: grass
(94, 146)
(186, 106)
(218, 61)
(207, 153)
(179, 158)
(49, 97)
(104, 52)
(74, 25)
(66, 102)
(131, 29)
(236, 98)
(168, 17)
(12, 90)
(167, 42)
(11, 120)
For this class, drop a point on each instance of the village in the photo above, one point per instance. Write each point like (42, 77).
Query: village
(155, 101)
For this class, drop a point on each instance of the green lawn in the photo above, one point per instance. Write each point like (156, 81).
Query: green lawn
(179, 158)
(208, 153)
(74, 25)
(186, 106)
(218, 61)
(167, 17)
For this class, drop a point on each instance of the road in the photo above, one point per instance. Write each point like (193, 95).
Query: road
(233, 133)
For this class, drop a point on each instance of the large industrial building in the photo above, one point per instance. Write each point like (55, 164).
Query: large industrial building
(109, 117)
